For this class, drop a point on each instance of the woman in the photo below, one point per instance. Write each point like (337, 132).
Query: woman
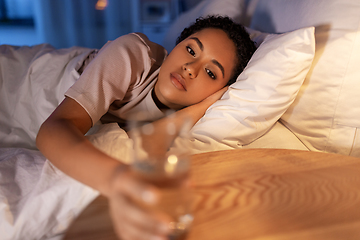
(132, 74)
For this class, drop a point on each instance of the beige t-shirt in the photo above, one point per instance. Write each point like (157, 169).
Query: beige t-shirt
(118, 81)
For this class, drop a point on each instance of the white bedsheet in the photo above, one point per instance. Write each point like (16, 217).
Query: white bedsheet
(32, 83)
(37, 201)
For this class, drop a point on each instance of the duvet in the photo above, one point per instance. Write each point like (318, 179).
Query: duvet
(37, 201)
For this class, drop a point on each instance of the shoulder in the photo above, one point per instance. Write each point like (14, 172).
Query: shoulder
(138, 44)
(136, 39)
(132, 39)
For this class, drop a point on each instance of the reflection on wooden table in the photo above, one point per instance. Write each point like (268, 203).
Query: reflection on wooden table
(262, 194)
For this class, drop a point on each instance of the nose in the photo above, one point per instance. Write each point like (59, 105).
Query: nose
(190, 69)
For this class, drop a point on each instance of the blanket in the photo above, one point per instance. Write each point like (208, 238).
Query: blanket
(37, 201)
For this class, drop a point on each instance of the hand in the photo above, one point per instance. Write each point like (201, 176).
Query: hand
(130, 202)
(215, 96)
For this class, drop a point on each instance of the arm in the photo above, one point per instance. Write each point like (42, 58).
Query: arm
(61, 139)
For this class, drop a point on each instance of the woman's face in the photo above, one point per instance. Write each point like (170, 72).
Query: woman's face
(197, 67)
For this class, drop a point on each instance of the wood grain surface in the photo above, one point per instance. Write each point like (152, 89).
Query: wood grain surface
(262, 194)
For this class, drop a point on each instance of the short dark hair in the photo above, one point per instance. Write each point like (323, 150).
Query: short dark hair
(245, 47)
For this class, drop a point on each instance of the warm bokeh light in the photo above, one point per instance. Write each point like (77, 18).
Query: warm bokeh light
(171, 164)
(101, 4)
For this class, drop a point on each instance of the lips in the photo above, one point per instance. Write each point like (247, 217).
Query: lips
(178, 81)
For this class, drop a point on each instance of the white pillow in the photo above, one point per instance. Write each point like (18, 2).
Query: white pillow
(231, 8)
(261, 94)
(326, 114)
(256, 36)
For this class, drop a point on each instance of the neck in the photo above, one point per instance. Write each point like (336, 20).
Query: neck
(158, 103)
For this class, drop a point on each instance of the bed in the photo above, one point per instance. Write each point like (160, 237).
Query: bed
(299, 91)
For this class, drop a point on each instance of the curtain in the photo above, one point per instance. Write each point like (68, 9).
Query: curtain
(67, 23)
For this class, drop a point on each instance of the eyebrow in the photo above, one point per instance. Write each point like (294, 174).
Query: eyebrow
(201, 46)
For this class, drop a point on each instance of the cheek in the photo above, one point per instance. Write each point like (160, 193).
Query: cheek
(206, 88)
(174, 56)
(209, 85)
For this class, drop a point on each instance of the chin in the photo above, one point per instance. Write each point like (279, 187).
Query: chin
(174, 104)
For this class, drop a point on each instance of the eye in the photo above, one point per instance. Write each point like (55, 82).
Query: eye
(190, 50)
(210, 73)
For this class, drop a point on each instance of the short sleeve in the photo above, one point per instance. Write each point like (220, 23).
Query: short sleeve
(120, 65)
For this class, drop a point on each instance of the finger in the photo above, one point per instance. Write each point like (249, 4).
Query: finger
(140, 215)
(131, 202)
(217, 95)
(127, 184)
(131, 232)
(125, 213)
(149, 220)
(223, 90)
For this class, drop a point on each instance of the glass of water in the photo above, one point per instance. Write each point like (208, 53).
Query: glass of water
(171, 174)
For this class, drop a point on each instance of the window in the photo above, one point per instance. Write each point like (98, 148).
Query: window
(19, 12)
